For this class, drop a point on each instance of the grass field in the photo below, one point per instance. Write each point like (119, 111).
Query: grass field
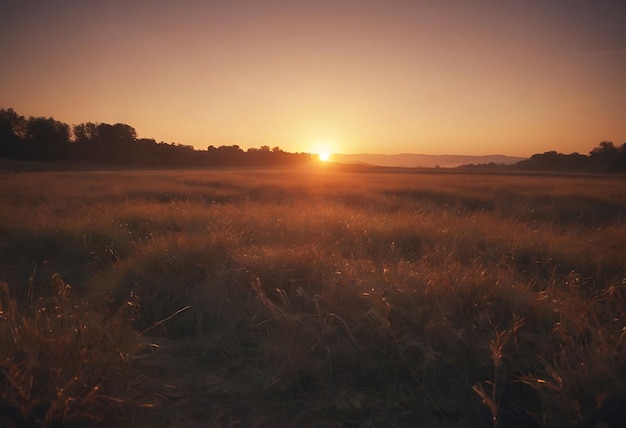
(311, 298)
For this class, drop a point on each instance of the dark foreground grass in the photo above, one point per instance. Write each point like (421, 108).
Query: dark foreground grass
(311, 298)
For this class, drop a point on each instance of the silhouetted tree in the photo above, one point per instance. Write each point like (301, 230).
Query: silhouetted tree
(225, 155)
(112, 143)
(12, 131)
(84, 141)
(119, 134)
(85, 133)
(605, 157)
(46, 139)
(622, 159)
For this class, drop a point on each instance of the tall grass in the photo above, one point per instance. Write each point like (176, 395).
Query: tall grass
(313, 297)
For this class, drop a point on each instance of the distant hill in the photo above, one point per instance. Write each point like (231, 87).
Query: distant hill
(422, 161)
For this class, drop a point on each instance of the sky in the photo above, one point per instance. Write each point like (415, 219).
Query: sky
(515, 77)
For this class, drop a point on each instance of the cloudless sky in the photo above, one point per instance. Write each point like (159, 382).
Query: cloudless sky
(462, 77)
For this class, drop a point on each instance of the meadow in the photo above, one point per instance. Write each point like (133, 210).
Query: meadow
(316, 297)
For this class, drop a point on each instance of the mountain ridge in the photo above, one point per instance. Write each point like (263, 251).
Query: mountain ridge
(413, 160)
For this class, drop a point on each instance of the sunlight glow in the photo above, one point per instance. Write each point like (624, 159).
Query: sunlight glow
(323, 147)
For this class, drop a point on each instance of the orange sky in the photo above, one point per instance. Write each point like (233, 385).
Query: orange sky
(481, 77)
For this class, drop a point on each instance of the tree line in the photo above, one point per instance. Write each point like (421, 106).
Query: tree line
(606, 157)
(46, 139)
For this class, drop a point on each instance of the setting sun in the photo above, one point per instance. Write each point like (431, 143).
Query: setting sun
(323, 147)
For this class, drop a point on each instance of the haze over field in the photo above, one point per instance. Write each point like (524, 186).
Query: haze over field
(390, 77)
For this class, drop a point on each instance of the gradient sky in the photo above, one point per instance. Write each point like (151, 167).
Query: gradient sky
(460, 77)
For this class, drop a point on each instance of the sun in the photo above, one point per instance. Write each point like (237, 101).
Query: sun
(323, 147)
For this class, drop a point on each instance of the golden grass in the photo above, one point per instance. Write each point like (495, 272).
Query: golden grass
(311, 297)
